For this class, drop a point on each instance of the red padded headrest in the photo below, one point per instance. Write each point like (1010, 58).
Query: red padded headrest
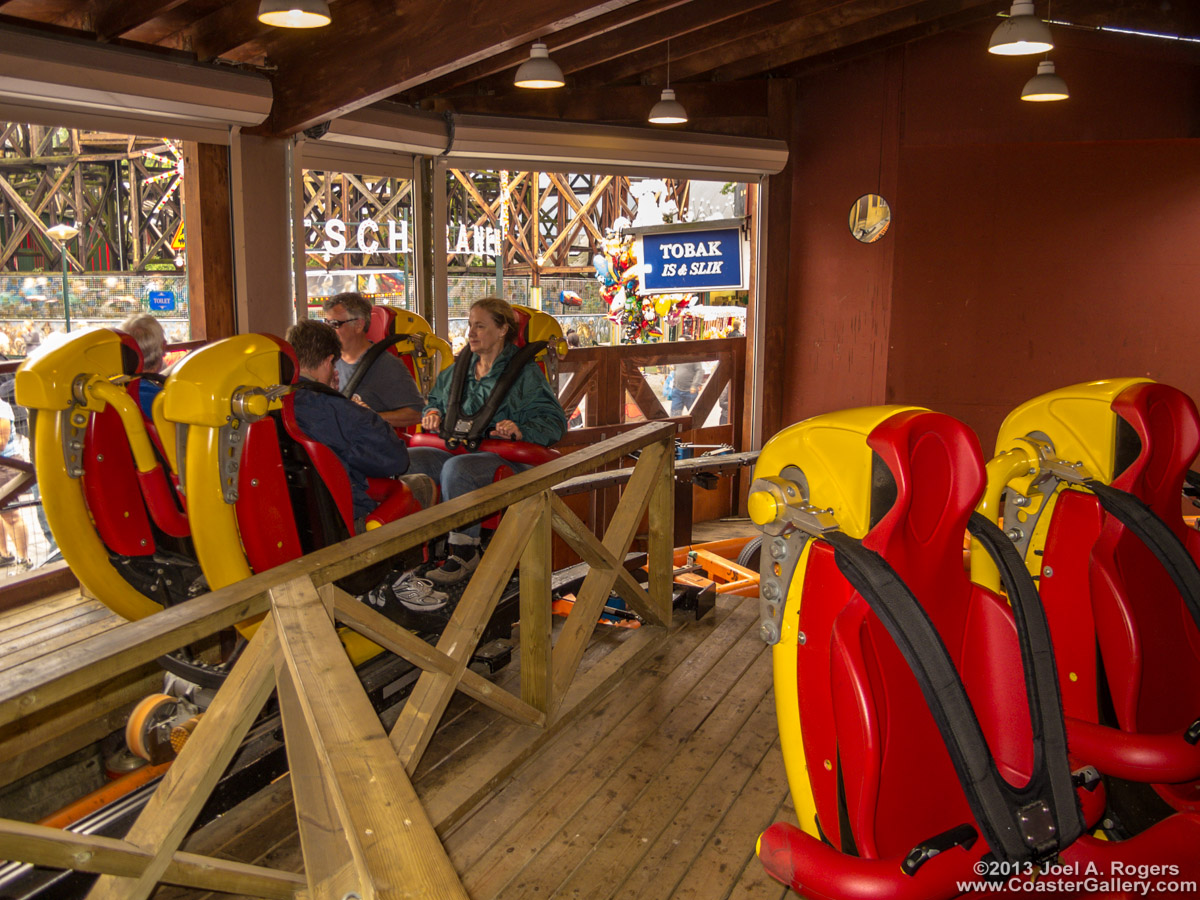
(1168, 426)
(522, 327)
(939, 476)
(380, 325)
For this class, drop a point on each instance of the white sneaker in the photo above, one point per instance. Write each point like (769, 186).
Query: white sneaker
(418, 594)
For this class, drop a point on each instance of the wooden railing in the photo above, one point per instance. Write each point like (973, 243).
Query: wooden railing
(615, 396)
(363, 829)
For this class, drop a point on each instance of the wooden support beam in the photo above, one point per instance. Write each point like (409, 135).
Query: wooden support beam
(58, 849)
(559, 43)
(112, 18)
(427, 702)
(324, 76)
(226, 29)
(739, 35)
(383, 631)
(827, 33)
(209, 241)
(394, 849)
(537, 567)
(592, 550)
(184, 789)
(590, 599)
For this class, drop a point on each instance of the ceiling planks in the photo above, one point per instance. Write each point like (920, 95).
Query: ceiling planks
(801, 43)
(460, 54)
(321, 77)
(113, 18)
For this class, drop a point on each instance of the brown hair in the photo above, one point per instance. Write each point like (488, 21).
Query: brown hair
(314, 342)
(502, 314)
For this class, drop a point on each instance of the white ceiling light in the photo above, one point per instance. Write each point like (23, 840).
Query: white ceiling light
(294, 13)
(1045, 85)
(539, 71)
(668, 110)
(1022, 33)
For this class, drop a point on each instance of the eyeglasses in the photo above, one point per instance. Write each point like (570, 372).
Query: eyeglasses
(338, 323)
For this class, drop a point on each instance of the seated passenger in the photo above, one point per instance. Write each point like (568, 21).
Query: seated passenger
(385, 385)
(148, 333)
(530, 412)
(360, 439)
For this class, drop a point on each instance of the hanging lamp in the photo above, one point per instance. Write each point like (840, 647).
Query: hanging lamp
(539, 71)
(294, 13)
(1046, 85)
(668, 110)
(1022, 33)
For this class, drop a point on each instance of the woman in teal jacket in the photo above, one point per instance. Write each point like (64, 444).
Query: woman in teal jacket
(529, 412)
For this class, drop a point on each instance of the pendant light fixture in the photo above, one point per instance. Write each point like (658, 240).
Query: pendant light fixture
(1022, 33)
(668, 110)
(1046, 85)
(539, 71)
(294, 13)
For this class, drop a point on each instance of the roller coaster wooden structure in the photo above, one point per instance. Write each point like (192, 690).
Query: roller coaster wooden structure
(364, 831)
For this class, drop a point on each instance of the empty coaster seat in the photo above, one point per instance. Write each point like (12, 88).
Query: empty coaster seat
(1126, 638)
(108, 489)
(920, 730)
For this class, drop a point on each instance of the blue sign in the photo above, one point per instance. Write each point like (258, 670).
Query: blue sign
(162, 301)
(680, 261)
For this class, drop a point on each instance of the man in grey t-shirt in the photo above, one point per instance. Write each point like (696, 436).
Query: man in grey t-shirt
(386, 387)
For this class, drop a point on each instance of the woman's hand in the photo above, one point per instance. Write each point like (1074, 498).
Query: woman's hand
(507, 428)
(431, 421)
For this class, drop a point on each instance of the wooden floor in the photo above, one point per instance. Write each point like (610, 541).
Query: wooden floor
(658, 790)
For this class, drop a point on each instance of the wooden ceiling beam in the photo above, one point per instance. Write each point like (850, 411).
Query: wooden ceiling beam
(738, 35)
(227, 28)
(560, 44)
(835, 37)
(628, 103)
(113, 18)
(371, 55)
(823, 60)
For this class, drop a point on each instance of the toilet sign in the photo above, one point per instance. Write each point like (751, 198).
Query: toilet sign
(709, 259)
(162, 301)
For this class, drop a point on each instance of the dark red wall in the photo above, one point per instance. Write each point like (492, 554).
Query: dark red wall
(1033, 245)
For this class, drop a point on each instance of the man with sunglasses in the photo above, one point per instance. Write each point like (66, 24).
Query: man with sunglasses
(386, 386)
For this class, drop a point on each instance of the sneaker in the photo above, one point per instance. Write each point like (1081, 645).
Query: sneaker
(456, 568)
(418, 594)
(411, 602)
(22, 565)
(6, 560)
(423, 488)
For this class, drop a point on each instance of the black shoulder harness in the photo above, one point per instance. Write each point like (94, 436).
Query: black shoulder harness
(1029, 823)
(368, 359)
(457, 429)
(1158, 537)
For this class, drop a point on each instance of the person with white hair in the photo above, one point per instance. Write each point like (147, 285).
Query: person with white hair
(148, 333)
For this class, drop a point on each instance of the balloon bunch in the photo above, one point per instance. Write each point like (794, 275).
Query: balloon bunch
(642, 318)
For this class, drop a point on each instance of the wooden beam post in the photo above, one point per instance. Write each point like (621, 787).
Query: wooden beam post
(393, 850)
(536, 570)
(262, 248)
(209, 248)
(185, 787)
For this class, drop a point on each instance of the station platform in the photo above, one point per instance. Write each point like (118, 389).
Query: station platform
(658, 788)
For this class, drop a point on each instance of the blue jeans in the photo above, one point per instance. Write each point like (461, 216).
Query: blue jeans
(458, 475)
